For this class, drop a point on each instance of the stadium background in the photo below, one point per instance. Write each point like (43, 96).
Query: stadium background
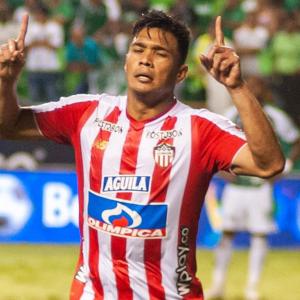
(38, 224)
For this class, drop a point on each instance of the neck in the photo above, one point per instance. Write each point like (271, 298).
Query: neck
(147, 107)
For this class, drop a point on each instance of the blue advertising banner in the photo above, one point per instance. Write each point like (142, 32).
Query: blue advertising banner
(38, 207)
(42, 207)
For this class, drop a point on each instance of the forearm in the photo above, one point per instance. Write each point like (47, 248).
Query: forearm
(260, 135)
(262, 155)
(9, 108)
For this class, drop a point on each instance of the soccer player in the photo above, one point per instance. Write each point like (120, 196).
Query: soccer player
(144, 160)
(247, 202)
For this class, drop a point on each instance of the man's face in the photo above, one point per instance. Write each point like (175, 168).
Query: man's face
(77, 36)
(152, 62)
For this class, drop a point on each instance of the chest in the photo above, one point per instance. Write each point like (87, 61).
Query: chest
(41, 32)
(121, 148)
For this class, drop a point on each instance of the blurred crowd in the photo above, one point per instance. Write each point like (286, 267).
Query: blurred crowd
(78, 46)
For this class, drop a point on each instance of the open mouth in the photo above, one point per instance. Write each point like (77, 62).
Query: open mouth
(144, 77)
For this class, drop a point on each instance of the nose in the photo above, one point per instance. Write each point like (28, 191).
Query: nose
(146, 59)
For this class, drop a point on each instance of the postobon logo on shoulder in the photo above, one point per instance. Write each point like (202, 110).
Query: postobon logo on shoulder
(108, 126)
(164, 134)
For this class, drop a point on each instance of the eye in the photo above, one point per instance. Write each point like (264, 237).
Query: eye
(162, 53)
(137, 49)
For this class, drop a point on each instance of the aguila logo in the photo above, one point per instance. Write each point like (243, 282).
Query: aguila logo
(126, 183)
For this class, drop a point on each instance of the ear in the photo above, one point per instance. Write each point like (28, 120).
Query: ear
(182, 72)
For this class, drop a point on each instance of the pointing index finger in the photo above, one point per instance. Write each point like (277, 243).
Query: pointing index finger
(219, 32)
(22, 33)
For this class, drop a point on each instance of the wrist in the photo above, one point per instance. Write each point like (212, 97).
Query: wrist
(8, 82)
(239, 87)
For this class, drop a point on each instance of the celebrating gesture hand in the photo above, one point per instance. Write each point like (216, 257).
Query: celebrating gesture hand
(12, 56)
(222, 62)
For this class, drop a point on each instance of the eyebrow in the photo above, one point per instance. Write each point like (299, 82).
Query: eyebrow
(155, 47)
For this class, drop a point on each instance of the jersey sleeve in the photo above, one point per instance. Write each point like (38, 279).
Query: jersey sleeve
(221, 140)
(58, 121)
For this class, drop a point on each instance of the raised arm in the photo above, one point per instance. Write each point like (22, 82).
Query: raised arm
(262, 155)
(15, 122)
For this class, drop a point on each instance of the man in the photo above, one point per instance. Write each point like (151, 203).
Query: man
(44, 39)
(247, 202)
(83, 55)
(144, 161)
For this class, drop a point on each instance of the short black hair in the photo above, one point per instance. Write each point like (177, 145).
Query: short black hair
(159, 19)
(40, 7)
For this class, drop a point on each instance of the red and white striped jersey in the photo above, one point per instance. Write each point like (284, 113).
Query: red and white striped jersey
(141, 188)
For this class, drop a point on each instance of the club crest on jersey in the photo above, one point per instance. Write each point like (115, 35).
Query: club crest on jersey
(127, 219)
(164, 154)
(126, 183)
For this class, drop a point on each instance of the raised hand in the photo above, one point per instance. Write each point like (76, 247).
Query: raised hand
(12, 56)
(222, 62)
